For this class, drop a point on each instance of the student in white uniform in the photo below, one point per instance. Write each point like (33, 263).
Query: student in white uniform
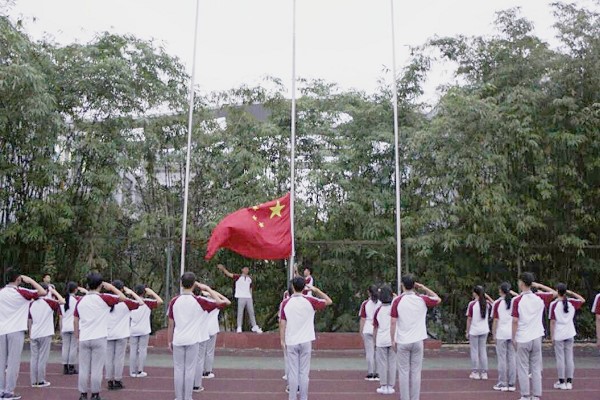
(119, 319)
(386, 356)
(502, 333)
(596, 312)
(91, 329)
(527, 333)
(140, 329)
(69, 343)
(478, 328)
(185, 321)
(213, 330)
(47, 280)
(286, 295)
(41, 330)
(309, 280)
(243, 294)
(204, 335)
(14, 309)
(366, 313)
(297, 332)
(562, 328)
(409, 330)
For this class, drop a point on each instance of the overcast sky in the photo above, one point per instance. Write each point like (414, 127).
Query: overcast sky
(240, 41)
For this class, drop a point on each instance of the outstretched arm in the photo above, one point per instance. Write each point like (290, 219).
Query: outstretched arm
(224, 270)
(41, 291)
(544, 288)
(155, 296)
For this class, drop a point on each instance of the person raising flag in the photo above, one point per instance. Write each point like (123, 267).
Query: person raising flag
(243, 294)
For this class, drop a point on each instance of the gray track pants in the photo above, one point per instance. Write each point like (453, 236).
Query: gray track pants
(529, 359)
(298, 358)
(69, 348)
(410, 364)
(92, 355)
(245, 303)
(11, 347)
(386, 365)
(115, 359)
(370, 352)
(185, 360)
(565, 366)
(138, 351)
(479, 359)
(40, 351)
(200, 363)
(507, 366)
(209, 359)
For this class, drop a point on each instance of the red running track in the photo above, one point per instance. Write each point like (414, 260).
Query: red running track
(236, 384)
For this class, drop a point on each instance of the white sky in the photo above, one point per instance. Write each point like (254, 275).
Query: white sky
(241, 41)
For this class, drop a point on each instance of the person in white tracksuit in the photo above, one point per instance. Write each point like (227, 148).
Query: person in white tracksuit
(243, 295)
(140, 328)
(562, 328)
(366, 314)
(67, 328)
(502, 333)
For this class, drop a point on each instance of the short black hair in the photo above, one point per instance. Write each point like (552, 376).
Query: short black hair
(12, 274)
(298, 284)
(527, 278)
(309, 268)
(188, 279)
(45, 275)
(408, 281)
(118, 284)
(139, 289)
(94, 280)
(385, 294)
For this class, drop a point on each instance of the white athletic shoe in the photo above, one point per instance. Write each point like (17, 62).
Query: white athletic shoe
(142, 374)
(284, 377)
(198, 389)
(210, 375)
(484, 376)
(500, 387)
(133, 375)
(512, 388)
(239, 330)
(382, 390)
(41, 384)
(569, 386)
(390, 390)
(475, 375)
(560, 386)
(256, 329)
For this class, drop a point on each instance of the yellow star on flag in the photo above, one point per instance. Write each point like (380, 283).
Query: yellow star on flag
(276, 210)
(261, 224)
(254, 217)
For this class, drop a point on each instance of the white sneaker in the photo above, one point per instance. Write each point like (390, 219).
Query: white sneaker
(390, 390)
(500, 387)
(239, 330)
(524, 398)
(382, 390)
(475, 375)
(198, 389)
(256, 329)
(210, 375)
(284, 377)
(569, 386)
(484, 376)
(560, 386)
(133, 375)
(142, 374)
(511, 388)
(41, 384)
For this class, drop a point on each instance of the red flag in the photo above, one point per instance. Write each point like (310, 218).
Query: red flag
(261, 232)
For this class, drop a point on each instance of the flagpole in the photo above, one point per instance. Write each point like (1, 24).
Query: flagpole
(397, 155)
(293, 144)
(189, 141)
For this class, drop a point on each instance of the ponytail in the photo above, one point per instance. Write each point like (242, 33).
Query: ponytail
(478, 290)
(505, 288)
(374, 293)
(561, 288)
(70, 289)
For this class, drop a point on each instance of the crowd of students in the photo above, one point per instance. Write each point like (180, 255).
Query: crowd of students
(517, 330)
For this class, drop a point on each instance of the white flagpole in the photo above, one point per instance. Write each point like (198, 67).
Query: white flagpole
(189, 142)
(397, 155)
(293, 143)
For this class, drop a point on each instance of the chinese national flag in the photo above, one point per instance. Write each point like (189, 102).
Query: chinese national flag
(261, 232)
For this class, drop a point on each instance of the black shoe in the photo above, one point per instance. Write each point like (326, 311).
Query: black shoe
(205, 374)
(83, 396)
(369, 377)
(66, 370)
(96, 396)
(73, 370)
(111, 386)
(118, 385)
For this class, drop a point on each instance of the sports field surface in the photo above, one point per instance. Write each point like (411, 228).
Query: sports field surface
(256, 375)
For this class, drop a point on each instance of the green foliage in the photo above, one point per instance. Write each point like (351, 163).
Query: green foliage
(501, 175)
